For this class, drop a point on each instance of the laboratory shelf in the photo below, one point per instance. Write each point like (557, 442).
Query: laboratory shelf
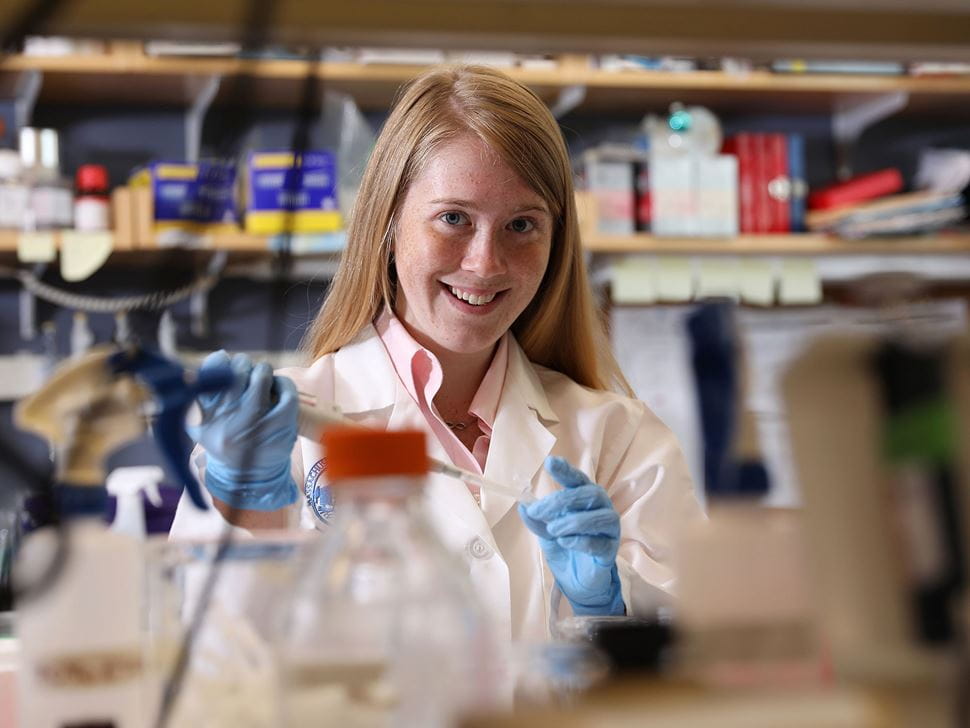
(134, 78)
(807, 244)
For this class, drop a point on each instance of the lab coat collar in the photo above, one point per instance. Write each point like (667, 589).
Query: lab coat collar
(524, 379)
(520, 439)
(361, 388)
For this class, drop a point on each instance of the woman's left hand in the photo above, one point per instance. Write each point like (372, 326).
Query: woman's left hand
(579, 532)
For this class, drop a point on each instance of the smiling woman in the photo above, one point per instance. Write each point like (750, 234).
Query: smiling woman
(461, 307)
(507, 128)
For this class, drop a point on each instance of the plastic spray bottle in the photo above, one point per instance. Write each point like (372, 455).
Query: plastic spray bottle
(80, 635)
(80, 625)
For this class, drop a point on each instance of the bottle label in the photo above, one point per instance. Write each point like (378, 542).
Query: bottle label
(13, 201)
(90, 669)
(52, 207)
(91, 214)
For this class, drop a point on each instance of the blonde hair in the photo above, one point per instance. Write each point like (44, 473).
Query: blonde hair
(561, 328)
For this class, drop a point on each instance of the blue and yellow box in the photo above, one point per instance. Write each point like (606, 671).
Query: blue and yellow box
(191, 197)
(292, 193)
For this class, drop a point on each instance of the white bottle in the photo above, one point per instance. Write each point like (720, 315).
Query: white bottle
(80, 638)
(126, 485)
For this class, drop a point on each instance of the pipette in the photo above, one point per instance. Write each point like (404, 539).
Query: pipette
(316, 416)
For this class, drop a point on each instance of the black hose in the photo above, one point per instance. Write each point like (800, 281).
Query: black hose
(230, 138)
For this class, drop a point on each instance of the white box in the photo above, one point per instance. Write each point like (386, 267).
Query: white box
(672, 197)
(716, 184)
(612, 186)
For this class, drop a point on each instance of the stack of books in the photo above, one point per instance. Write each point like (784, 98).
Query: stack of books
(911, 213)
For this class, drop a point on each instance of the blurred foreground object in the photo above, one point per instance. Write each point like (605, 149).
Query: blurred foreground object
(746, 607)
(875, 426)
(383, 628)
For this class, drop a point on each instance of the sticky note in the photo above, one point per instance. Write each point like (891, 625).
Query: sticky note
(83, 253)
(36, 247)
(798, 282)
(717, 278)
(633, 280)
(757, 280)
(675, 279)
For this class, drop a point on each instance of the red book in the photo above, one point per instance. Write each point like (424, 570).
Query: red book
(777, 183)
(643, 211)
(742, 146)
(760, 200)
(858, 189)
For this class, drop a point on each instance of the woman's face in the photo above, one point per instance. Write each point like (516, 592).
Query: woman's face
(471, 245)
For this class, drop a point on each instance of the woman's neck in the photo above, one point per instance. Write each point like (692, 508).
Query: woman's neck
(461, 376)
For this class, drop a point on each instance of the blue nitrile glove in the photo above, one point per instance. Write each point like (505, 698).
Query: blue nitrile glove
(248, 432)
(579, 531)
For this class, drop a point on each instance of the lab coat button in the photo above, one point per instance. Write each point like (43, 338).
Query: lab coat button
(479, 549)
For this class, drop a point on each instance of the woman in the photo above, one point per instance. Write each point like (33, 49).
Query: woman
(462, 307)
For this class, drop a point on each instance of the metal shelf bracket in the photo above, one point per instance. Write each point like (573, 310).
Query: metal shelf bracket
(28, 89)
(569, 98)
(195, 117)
(853, 114)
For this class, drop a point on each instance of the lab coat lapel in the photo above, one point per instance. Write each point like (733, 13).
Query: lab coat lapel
(364, 380)
(520, 439)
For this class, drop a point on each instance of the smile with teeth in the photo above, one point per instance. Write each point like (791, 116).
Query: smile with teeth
(471, 297)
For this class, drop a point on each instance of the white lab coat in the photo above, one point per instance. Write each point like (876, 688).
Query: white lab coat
(617, 441)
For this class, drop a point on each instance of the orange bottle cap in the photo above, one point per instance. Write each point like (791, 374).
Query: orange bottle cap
(355, 452)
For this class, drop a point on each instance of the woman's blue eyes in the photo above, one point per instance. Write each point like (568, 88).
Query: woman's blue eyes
(453, 218)
(522, 225)
(519, 225)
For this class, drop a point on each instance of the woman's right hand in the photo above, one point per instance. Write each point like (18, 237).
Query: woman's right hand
(248, 432)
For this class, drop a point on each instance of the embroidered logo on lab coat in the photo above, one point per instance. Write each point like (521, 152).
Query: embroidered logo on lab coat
(319, 498)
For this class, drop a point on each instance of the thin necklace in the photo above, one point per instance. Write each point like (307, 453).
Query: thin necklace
(459, 425)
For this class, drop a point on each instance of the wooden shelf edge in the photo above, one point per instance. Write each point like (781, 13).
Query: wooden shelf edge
(795, 244)
(348, 72)
(240, 242)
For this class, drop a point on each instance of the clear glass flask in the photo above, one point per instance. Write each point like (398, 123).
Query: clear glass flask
(383, 629)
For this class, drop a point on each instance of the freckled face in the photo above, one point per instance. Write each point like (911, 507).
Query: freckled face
(471, 246)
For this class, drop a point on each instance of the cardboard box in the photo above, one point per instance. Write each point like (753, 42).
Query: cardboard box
(287, 194)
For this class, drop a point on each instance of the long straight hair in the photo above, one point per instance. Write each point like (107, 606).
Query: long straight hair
(561, 328)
